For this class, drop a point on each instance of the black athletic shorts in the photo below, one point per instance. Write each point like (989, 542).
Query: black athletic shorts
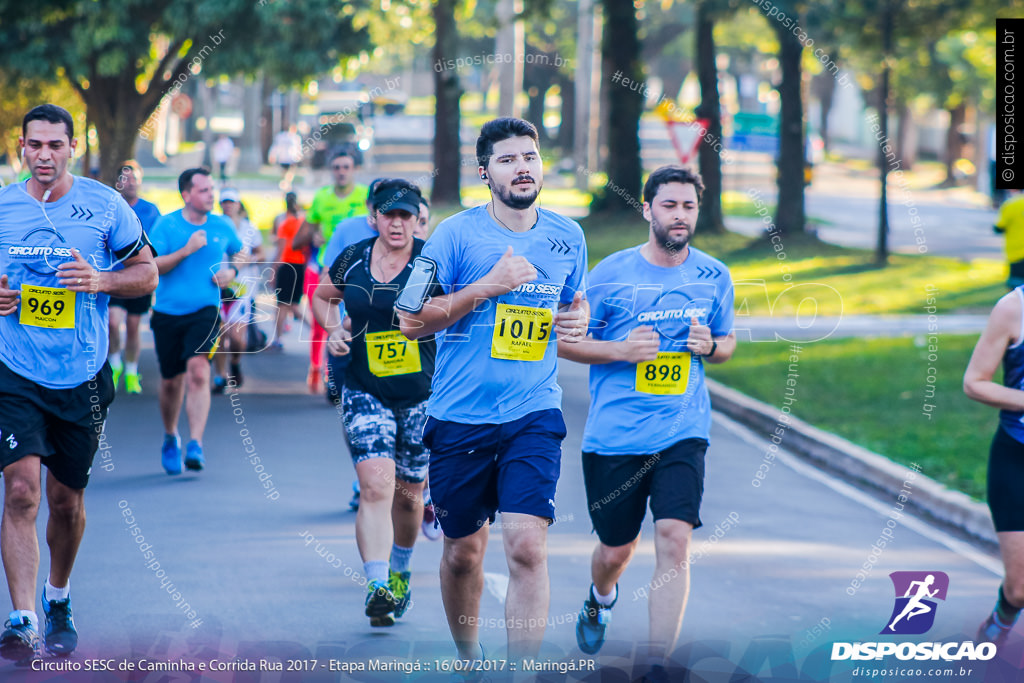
(181, 337)
(618, 487)
(289, 283)
(62, 426)
(1005, 479)
(138, 305)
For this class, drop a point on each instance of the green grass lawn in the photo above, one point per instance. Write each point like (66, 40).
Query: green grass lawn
(836, 280)
(873, 392)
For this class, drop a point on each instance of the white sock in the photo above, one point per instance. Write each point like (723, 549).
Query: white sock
(606, 599)
(51, 592)
(131, 368)
(18, 616)
(115, 360)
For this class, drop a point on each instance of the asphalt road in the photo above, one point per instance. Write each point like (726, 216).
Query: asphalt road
(272, 574)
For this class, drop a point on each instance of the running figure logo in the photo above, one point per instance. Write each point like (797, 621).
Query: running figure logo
(914, 611)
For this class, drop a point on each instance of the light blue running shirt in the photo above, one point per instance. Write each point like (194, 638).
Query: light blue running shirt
(481, 375)
(58, 338)
(190, 286)
(627, 291)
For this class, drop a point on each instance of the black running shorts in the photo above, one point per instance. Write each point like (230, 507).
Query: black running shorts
(138, 305)
(619, 486)
(179, 338)
(62, 426)
(1006, 482)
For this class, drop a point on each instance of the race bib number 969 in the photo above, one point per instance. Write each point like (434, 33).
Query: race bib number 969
(521, 332)
(668, 374)
(49, 307)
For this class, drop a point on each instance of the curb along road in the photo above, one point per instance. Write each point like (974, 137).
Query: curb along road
(950, 509)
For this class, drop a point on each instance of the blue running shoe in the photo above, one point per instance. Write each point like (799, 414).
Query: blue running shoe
(170, 454)
(592, 622)
(354, 503)
(59, 635)
(993, 631)
(19, 642)
(194, 459)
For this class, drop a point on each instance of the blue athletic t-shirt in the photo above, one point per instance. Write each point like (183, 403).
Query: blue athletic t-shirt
(147, 213)
(59, 349)
(347, 233)
(481, 376)
(627, 291)
(190, 286)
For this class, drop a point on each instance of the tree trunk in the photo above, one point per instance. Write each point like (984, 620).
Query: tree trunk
(789, 214)
(710, 218)
(954, 141)
(620, 48)
(905, 137)
(535, 112)
(567, 127)
(826, 95)
(115, 109)
(447, 93)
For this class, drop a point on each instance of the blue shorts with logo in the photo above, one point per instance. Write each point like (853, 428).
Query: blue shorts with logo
(476, 470)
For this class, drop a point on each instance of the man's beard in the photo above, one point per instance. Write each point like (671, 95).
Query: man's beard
(518, 202)
(666, 241)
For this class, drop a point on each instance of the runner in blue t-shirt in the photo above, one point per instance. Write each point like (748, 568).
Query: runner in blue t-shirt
(193, 245)
(513, 277)
(60, 238)
(130, 311)
(659, 312)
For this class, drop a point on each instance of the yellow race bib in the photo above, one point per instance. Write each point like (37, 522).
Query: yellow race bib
(390, 353)
(51, 307)
(668, 374)
(521, 332)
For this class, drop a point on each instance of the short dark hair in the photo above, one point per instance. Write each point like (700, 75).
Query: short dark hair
(131, 165)
(497, 130)
(185, 179)
(50, 113)
(347, 151)
(424, 201)
(672, 174)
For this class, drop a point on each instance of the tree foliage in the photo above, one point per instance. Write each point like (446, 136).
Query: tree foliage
(123, 56)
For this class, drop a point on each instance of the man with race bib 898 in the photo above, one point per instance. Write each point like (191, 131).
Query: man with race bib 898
(513, 277)
(660, 310)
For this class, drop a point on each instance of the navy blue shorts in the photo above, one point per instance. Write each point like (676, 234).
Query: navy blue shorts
(476, 470)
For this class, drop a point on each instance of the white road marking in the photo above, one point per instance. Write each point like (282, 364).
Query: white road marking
(496, 585)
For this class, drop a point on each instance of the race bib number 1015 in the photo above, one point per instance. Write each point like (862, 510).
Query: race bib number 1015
(521, 332)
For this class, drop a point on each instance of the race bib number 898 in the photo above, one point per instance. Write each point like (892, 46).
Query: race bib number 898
(668, 374)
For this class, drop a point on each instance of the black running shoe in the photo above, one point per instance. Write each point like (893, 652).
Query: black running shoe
(59, 635)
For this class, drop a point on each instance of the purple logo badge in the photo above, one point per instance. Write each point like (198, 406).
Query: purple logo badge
(916, 595)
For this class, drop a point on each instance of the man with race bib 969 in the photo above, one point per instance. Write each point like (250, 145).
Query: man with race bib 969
(62, 239)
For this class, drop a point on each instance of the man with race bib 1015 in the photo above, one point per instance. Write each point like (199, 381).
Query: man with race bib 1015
(513, 277)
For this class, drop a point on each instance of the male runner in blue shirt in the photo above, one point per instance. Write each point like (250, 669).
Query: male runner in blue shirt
(511, 277)
(61, 237)
(660, 310)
